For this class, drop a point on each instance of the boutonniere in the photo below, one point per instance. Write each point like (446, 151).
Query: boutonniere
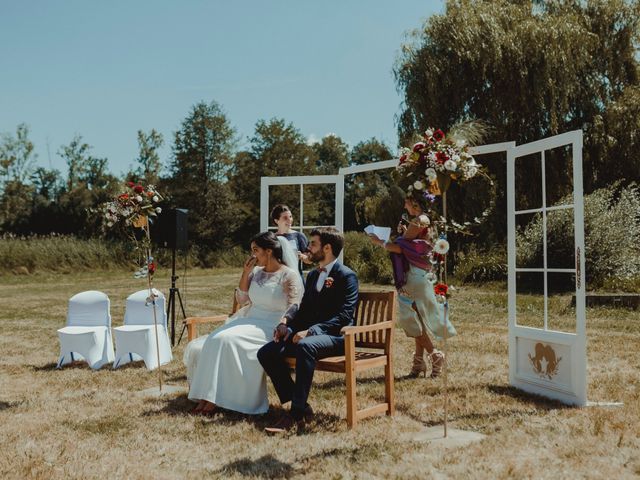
(328, 283)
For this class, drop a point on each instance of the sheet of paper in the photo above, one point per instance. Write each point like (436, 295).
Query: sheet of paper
(383, 233)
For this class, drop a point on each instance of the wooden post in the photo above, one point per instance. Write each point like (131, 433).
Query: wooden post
(153, 301)
(350, 371)
(446, 312)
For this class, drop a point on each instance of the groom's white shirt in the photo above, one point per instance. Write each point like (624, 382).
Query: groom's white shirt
(323, 275)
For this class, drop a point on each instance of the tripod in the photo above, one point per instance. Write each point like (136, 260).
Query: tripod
(171, 306)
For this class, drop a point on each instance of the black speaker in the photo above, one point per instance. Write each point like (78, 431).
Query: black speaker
(170, 229)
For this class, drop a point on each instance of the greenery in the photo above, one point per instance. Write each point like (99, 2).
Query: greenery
(530, 69)
(481, 266)
(612, 236)
(370, 262)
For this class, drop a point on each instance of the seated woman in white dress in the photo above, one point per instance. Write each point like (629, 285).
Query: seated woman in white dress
(223, 368)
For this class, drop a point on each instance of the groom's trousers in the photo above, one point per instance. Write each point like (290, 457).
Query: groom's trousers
(306, 352)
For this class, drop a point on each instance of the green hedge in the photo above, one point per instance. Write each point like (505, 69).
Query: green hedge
(370, 262)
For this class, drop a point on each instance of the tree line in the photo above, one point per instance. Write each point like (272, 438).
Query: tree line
(207, 174)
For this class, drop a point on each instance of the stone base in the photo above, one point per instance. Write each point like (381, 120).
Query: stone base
(454, 438)
(605, 404)
(166, 390)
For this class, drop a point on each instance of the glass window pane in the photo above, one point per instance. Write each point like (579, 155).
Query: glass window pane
(528, 182)
(530, 299)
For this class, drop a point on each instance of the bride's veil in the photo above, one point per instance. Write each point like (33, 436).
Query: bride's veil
(288, 255)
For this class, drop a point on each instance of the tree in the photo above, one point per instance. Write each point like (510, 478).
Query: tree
(16, 161)
(203, 150)
(362, 188)
(16, 155)
(531, 70)
(88, 185)
(331, 153)
(276, 149)
(148, 160)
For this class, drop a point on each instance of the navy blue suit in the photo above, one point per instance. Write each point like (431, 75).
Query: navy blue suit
(322, 314)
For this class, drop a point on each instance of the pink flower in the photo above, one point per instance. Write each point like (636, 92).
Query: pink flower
(328, 283)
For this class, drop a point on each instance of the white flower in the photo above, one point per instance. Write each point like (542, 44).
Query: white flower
(450, 165)
(472, 171)
(155, 198)
(418, 185)
(138, 198)
(455, 158)
(424, 221)
(460, 143)
(432, 156)
(429, 133)
(441, 246)
(431, 174)
(158, 210)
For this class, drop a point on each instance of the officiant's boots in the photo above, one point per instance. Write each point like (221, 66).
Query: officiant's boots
(437, 363)
(419, 366)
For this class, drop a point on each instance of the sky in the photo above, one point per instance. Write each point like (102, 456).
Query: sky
(105, 70)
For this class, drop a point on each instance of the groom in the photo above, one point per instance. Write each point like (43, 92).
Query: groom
(328, 304)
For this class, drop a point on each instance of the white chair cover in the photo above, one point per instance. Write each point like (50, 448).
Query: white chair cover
(87, 335)
(136, 339)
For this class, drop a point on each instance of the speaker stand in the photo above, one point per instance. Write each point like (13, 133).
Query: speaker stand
(171, 305)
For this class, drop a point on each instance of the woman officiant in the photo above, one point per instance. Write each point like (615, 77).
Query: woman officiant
(418, 310)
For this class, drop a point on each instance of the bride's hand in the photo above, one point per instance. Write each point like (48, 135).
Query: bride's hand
(249, 264)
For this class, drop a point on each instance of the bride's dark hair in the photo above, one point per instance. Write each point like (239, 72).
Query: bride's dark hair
(269, 240)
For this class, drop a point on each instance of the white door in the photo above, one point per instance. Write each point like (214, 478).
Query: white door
(336, 180)
(547, 332)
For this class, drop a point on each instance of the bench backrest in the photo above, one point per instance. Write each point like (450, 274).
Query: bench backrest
(372, 308)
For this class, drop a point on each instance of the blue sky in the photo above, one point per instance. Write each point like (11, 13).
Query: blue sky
(107, 69)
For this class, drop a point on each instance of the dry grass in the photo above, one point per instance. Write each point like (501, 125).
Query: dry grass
(76, 423)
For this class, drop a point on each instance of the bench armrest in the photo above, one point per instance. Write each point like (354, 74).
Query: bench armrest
(198, 320)
(193, 322)
(367, 328)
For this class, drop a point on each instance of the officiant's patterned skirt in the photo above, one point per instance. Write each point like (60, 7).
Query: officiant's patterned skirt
(432, 315)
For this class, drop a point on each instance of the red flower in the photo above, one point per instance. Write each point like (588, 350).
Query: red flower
(441, 289)
(438, 257)
(130, 184)
(403, 158)
(441, 157)
(418, 146)
(138, 189)
(152, 268)
(124, 196)
(328, 283)
(438, 135)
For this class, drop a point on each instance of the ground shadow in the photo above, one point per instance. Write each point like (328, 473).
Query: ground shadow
(531, 398)
(181, 406)
(266, 466)
(8, 405)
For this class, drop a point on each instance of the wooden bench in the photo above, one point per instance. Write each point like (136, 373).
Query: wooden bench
(373, 330)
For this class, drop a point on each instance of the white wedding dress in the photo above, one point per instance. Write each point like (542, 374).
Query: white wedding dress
(223, 367)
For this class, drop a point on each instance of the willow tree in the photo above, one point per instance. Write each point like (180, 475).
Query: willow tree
(530, 70)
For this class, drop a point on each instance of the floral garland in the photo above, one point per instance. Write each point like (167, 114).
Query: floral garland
(430, 165)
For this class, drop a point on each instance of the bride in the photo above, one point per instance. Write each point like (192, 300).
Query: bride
(223, 368)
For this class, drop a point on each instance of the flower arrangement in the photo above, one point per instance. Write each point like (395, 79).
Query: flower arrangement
(433, 162)
(134, 206)
(328, 283)
(131, 210)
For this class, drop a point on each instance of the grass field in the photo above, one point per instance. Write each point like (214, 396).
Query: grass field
(77, 423)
